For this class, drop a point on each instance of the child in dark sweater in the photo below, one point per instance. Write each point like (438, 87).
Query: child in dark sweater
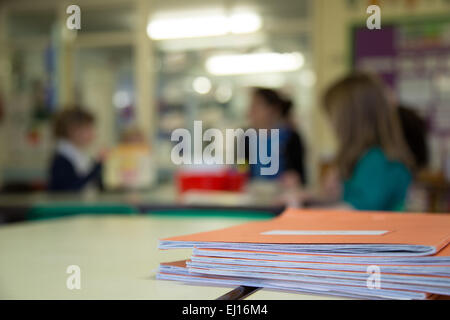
(71, 169)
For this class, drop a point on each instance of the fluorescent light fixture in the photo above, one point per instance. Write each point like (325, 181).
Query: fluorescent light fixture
(203, 26)
(254, 63)
(187, 27)
(244, 23)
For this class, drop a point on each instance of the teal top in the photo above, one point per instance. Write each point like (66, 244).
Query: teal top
(377, 184)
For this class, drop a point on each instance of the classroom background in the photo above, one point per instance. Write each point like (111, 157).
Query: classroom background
(144, 84)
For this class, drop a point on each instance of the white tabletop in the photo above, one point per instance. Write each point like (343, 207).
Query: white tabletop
(118, 257)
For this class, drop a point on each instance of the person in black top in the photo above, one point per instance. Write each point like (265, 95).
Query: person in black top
(270, 110)
(71, 169)
(415, 133)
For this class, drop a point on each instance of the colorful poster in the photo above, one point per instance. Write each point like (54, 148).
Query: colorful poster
(414, 59)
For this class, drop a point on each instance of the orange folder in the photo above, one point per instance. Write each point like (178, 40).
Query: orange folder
(417, 234)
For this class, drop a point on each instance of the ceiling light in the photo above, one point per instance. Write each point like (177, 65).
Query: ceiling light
(122, 99)
(197, 26)
(244, 23)
(254, 63)
(202, 85)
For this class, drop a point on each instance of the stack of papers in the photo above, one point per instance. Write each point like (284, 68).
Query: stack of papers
(349, 254)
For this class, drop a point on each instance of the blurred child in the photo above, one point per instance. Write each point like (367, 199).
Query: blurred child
(269, 110)
(71, 168)
(373, 161)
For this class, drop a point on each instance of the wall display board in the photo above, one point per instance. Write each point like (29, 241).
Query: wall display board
(413, 57)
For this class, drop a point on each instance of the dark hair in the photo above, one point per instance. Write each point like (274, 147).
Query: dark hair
(70, 118)
(275, 100)
(415, 132)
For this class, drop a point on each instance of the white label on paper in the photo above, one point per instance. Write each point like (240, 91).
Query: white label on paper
(325, 233)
